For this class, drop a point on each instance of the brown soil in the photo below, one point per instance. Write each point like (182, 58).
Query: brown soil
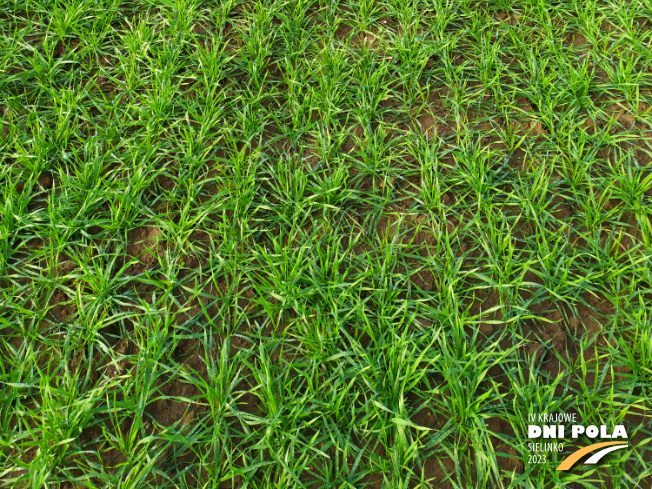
(144, 246)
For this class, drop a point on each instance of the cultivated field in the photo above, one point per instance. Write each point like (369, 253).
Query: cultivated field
(321, 243)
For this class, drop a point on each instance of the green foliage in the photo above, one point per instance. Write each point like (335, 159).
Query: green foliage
(321, 243)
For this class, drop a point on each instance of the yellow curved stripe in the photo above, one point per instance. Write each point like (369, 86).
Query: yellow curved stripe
(569, 461)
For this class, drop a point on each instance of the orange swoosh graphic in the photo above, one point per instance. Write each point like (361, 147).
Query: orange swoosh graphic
(569, 461)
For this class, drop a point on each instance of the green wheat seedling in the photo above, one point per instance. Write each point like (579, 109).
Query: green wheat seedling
(319, 243)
